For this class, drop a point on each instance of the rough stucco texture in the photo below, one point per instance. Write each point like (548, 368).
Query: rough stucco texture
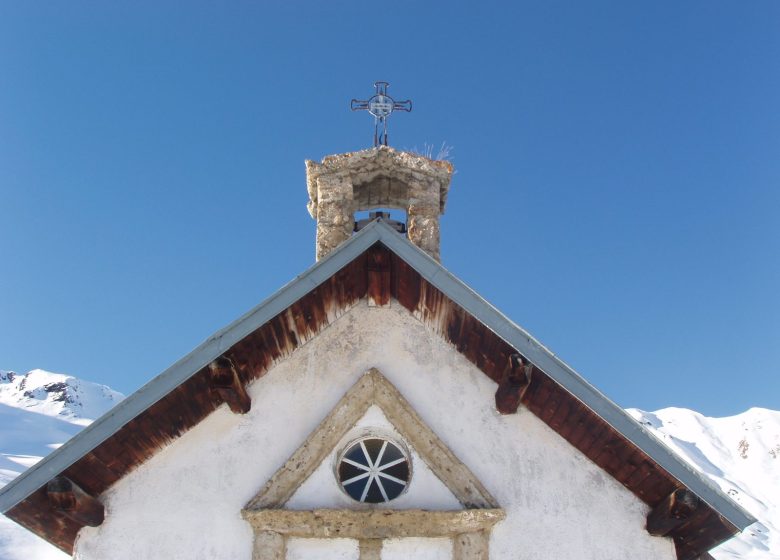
(407, 549)
(186, 501)
(322, 549)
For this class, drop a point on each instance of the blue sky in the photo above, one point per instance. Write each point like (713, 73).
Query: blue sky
(616, 194)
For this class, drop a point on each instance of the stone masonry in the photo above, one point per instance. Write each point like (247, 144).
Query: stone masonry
(379, 177)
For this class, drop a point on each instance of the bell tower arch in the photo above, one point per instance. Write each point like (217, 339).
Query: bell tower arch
(381, 177)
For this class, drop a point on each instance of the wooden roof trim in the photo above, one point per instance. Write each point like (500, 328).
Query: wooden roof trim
(165, 383)
(193, 400)
(566, 377)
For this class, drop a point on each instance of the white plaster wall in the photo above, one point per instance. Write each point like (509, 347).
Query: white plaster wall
(407, 549)
(186, 501)
(322, 549)
(347, 549)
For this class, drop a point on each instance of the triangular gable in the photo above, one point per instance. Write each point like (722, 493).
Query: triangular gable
(468, 527)
(377, 263)
(423, 489)
(373, 389)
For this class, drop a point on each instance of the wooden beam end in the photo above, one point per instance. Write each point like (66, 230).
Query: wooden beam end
(672, 512)
(227, 385)
(66, 497)
(513, 385)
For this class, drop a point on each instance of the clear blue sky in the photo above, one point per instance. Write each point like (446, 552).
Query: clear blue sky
(617, 188)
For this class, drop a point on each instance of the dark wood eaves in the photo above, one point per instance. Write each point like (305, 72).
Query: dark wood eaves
(380, 264)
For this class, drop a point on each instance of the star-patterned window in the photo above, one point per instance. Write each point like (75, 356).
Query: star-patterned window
(374, 470)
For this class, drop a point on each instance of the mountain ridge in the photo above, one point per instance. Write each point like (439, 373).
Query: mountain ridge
(740, 454)
(39, 411)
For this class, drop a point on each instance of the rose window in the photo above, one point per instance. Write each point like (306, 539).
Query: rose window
(373, 470)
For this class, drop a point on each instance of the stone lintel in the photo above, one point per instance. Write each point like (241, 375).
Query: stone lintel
(373, 524)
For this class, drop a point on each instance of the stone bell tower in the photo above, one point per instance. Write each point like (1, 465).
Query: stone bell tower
(380, 177)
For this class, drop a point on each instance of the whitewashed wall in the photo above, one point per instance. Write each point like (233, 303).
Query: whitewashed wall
(186, 501)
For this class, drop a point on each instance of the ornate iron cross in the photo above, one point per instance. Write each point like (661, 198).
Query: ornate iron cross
(381, 105)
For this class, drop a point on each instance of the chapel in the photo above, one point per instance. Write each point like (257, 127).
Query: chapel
(374, 408)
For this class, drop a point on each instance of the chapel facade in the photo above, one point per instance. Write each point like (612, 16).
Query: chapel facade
(375, 408)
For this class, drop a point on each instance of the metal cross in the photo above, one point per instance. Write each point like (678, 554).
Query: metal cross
(380, 105)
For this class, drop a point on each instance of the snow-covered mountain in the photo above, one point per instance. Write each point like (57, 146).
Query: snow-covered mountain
(741, 454)
(55, 394)
(39, 411)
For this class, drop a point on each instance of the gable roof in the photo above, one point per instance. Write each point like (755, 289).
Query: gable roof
(377, 263)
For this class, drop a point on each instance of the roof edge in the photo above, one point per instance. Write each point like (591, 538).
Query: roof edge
(104, 427)
(566, 377)
(433, 272)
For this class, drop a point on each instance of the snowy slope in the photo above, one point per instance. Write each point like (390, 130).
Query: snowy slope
(55, 394)
(39, 411)
(741, 454)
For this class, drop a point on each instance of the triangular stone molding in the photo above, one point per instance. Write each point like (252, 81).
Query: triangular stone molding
(468, 528)
(372, 388)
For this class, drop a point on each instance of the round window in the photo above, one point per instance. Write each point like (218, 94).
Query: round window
(373, 470)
